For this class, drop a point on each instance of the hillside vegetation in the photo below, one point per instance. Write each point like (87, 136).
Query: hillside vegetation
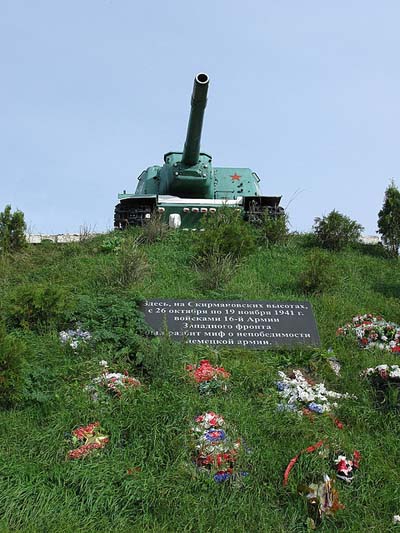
(144, 479)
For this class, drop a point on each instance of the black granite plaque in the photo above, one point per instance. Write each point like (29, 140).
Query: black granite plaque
(249, 324)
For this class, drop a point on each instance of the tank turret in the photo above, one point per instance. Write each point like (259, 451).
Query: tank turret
(188, 187)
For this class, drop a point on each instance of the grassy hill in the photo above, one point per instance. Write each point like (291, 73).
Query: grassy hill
(144, 479)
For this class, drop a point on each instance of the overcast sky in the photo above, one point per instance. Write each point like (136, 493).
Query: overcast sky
(304, 92)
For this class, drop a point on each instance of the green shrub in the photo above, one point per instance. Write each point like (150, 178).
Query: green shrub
(117, 325)
(12, 351)
(320, 273)
(12, 231)
(389, 219)
(336, 231)
(112, 242)
(274, 230)
(225, 233)
(33, 306)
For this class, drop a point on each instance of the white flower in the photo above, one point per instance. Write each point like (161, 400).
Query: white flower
(298, 389)
(381, 367)
(396, 519)
(394, 372)
(103, 363)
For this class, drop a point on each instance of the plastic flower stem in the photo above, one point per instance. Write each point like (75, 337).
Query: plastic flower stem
(293, 461)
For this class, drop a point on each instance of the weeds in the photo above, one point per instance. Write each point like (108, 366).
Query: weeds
(320, 273)
(132, 264)
(215, 271)
(154, 229)
(12, 351)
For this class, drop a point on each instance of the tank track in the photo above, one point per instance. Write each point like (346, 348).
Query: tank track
(256, 212)
(131, 215)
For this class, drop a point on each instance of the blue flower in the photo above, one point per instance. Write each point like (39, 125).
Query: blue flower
(215, 435)
(220, 477)
(280, 385)
(316, 407)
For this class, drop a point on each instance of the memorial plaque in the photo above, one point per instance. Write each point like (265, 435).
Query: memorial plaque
(249, 324)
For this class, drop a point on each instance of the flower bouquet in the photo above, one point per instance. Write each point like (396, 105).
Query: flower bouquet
(86, 439)
(75, 338)
(322, 500)
(373, 332)
(214, 450)
(386, 381)
(113, 383)
(302, 395)
(345, 467)
(209, 378)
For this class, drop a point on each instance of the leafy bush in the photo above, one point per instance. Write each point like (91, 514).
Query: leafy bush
(320, 273)
(389, 219)
(12, 351)
(274, 230)
(225, 233)
(12, 231)
(112, 243)
(116, 325)
(34, 306)
(336, 231)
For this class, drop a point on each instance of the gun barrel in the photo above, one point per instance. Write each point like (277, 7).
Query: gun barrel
(191, 150)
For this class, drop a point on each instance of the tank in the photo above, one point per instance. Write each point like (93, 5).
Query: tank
(187, 187)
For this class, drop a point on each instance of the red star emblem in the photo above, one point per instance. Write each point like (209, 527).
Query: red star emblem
(236, 176)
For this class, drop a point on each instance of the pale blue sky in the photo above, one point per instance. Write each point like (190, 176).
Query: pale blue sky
(304, 92)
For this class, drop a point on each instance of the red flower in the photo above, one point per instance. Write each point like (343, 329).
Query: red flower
(206, 372)
(85, 449)
(338, 423)
(356, 459)
(84, 431)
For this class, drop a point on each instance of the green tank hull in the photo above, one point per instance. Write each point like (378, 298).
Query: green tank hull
(187, 187)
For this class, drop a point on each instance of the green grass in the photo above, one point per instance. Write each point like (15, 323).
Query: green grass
(40, 491)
